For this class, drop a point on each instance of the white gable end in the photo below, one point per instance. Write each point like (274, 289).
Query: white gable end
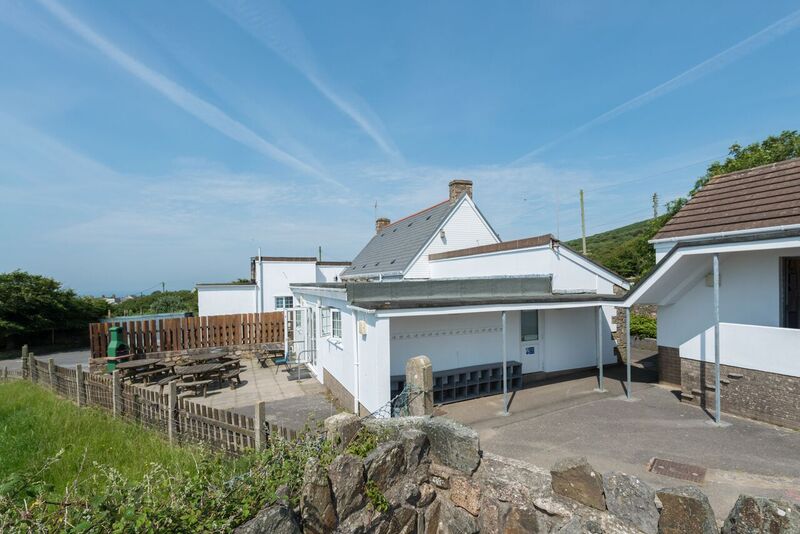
(464, 228)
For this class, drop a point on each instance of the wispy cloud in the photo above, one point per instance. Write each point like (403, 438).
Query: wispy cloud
(182, 97)
(718, 61)
(272, 25)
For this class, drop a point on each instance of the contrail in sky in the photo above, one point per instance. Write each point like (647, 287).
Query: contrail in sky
(273, 26)
(182, 97)
(720, 60)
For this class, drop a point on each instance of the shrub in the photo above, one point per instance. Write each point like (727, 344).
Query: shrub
(643, 326)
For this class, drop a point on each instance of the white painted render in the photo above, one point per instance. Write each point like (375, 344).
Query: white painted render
(764, 348)
(749, 294)
(570, 271)
(272, 280)
(567, 340)
(465, 228)
(225, 299)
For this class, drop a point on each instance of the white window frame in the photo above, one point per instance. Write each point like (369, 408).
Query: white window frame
(325, 321)
(283, 304)
(336, 319)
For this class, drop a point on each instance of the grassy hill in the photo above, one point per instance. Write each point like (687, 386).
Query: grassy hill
(624, 250)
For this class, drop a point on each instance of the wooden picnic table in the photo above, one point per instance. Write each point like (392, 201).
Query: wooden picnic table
(206, 357)
(145, 368)
(200, 371)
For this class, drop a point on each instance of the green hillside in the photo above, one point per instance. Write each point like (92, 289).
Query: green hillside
(599, 245)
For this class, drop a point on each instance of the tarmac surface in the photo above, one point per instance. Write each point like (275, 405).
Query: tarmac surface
(568, 417)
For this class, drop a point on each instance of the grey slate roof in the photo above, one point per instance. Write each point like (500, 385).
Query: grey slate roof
(393, 249)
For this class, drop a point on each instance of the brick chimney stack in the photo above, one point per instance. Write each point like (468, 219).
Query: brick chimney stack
(460, 186)
(381, 223)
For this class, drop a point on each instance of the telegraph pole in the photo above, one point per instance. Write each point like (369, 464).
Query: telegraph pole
(163, 287)
(583, 225)
(655, 205)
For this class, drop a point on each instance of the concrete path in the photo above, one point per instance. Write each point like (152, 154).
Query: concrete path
(568, 418)
(64, 359)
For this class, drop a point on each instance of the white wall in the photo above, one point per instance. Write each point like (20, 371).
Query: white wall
(774, 350)
(663, 248)
(329, 273)
(277, 276)
(749, 294)
(568, 339)
(569, 272)
(464, 229)
(226, 299)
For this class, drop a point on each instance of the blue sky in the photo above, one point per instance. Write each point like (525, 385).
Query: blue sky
(166, 141)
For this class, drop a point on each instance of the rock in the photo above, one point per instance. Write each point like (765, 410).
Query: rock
(316, 499)
(443, 517)
(440, 475)
(631, 500)
(498, 516)
(342, 428)
(274, 519)
(685, 509)
(451, 444)
(580, 525)
(427, 493)
(416, 445)
(348, 484)
(400, 521)
(402, 493)
(385, 464)
(522, 521)
(751, 515)
(466, 494)
(575, 479)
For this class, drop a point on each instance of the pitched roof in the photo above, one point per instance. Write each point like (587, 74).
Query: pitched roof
(393, 248)
(761, 197)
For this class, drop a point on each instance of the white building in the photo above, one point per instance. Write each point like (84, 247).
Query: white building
(441, 283)
(727, 286)
(268, 289)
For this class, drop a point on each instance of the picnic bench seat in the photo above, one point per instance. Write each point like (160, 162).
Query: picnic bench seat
(197, 386)
(147, 376)
(231, 375)
(165, 382)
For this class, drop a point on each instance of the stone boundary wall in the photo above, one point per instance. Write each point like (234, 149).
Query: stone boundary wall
(768, 397)
(669, 365)
(428, 475)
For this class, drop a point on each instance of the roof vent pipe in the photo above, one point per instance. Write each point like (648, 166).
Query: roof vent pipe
(381, 223)
(457, 187)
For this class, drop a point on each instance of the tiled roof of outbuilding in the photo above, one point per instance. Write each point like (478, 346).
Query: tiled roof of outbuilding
(761, 197)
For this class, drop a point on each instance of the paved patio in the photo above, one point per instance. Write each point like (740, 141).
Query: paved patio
(567, 418)
(291, 403)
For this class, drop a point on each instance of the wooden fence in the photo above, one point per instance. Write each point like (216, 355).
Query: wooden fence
(180, 419)
(190, 332)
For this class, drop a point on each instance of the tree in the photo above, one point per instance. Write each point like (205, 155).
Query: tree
(31, 304)
(773, 149)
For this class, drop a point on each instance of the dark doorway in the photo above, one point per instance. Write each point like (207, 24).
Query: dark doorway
(790, 292)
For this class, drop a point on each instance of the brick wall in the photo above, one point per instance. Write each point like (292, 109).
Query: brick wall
(759, 395)
(669, 365)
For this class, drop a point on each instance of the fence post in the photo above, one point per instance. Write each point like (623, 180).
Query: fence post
(172, 402)
(259, 420)
(419, 385)
(116, 394)
(25, 368)
(79, 383)
(51, 370)
(5, 374)
(32, 370)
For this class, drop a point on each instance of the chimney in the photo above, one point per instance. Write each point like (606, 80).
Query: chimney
(381, 223)
(460, 186)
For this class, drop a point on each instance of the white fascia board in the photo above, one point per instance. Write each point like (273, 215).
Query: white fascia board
(700, 237)
(451, 310)
(326, 292)
(225, 286)
(453, 211)
(493, 253)
(371, 276)
(592, 267)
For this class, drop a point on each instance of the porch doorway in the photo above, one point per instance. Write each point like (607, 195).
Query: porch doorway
(790, 293)
(530, 342)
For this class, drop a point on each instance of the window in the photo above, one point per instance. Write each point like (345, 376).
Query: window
(790, 293)
(325, 321)
(336, 323)
(530, 325)
(283, 302)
